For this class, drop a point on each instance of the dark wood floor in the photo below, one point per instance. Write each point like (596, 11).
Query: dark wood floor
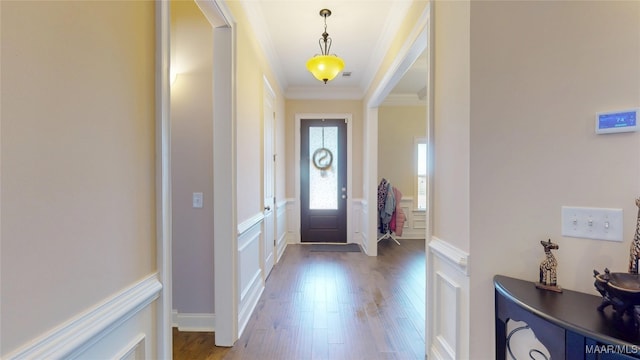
(331, 305)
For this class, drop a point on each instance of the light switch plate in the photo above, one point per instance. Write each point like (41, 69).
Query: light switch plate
(592, 223)
(197, 200)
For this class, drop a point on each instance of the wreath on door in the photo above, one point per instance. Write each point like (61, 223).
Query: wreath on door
(322, 159)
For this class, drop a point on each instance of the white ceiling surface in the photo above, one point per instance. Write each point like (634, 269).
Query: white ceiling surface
(362, 30)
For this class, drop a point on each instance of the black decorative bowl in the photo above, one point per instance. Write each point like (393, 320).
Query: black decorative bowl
(621, 291)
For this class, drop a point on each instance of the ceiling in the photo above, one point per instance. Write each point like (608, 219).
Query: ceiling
(362, 30)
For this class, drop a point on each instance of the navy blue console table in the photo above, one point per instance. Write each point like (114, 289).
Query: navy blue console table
(568, 323)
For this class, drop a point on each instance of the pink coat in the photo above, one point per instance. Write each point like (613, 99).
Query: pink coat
(398, 218)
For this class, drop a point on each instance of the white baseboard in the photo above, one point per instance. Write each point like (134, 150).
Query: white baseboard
(174, 318)
(412, 234)
(72, 338)
(202, 322)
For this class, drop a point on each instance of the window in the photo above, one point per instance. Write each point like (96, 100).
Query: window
(421, 173)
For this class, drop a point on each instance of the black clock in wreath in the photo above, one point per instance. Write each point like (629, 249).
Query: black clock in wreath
(322, 158)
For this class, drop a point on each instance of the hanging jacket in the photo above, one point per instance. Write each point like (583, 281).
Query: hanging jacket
(399, 216)
(382, 194)
(389, 206)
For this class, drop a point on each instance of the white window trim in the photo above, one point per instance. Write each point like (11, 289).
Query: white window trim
(417, 140)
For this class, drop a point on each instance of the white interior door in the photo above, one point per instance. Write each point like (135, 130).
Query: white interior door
(269, 182)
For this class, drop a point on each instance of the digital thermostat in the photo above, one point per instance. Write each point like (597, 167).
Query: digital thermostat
(617, 121)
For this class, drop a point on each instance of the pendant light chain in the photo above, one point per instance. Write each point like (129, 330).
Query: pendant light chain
(325, 38)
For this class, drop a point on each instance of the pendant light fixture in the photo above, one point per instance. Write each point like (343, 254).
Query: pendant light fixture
(325, 66)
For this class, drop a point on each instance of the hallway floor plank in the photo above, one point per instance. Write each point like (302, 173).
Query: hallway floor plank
(332, 305)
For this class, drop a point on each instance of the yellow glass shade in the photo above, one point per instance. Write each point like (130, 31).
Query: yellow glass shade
(325, 67)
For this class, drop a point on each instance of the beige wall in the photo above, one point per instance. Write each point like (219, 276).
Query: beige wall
(451, 123)
(353, 107)
(77, 155)
(534, 94)
(251, 69)
(192, 158)
(398, 127)
(248, 122)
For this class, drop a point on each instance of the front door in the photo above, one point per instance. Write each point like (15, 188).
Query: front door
(323, 180)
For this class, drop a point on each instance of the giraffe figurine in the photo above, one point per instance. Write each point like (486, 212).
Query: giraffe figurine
(548, 268)
(635, 245)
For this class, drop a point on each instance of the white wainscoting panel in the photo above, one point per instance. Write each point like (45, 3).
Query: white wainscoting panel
(293, 229)
(357, 216)
(416, 224)
(446, 322)
(250, 282)
(364, 221)
(358, 221)
(108, 322)
(136, 350)
(457, 258)
(281, 228)
(448, 286)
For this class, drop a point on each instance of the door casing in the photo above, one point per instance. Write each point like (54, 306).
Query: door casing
(269, 207)
(308, 216)
(349, 119)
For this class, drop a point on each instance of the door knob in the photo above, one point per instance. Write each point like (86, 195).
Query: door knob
(267, 208)
(344, 196)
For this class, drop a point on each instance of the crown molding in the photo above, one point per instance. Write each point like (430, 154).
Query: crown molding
(255, 16)
(397, 14)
